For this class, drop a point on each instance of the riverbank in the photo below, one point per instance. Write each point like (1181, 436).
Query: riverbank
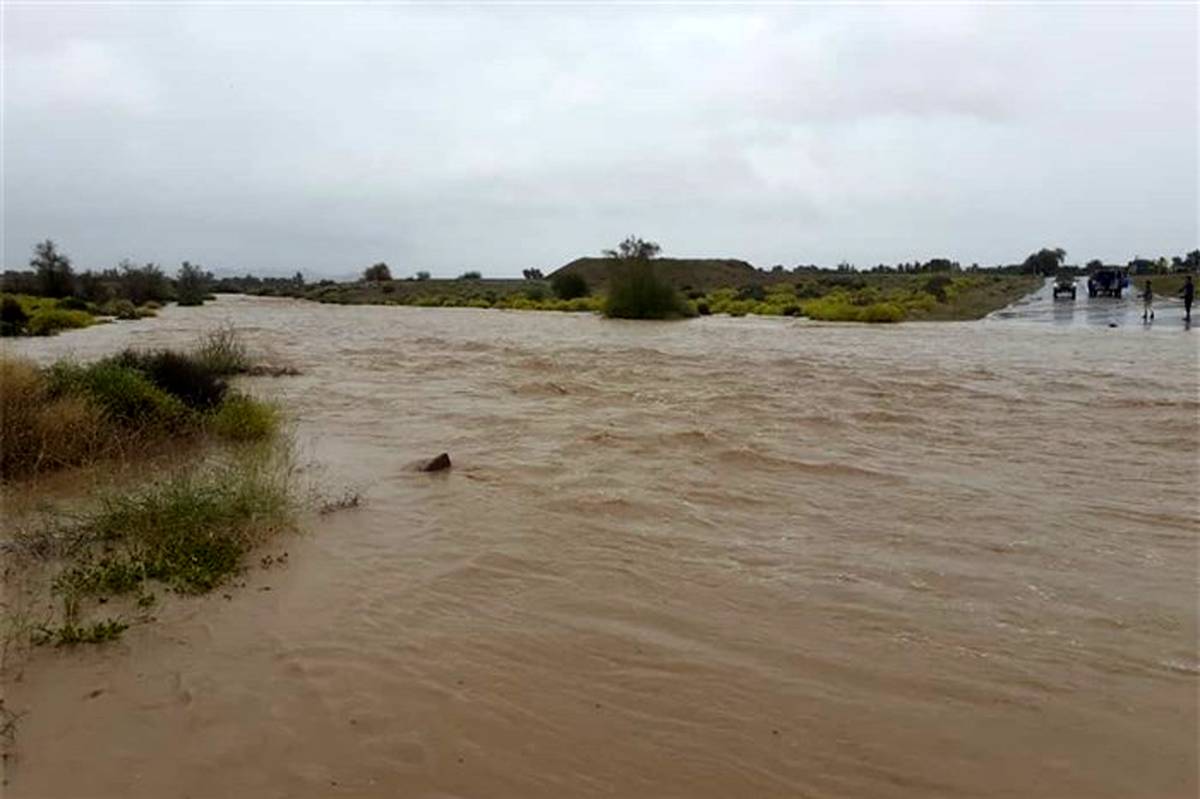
(139, 473)
(840, 297)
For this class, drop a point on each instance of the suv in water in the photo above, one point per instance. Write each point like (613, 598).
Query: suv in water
(1064, 284)
(1107, 281)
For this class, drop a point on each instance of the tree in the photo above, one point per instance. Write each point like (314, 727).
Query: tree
(1044, 261)
(378, 272)
(634, 249)
(12, 317)
(635, 291)
(191, 284)
(141, 284)
(422, 275)
(92, 287)
(1094, 264)
(471, 275)
(1192, 262)
(532, 274)
(569, 285)
(54, 275)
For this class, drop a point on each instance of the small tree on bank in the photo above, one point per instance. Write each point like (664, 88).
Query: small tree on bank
(635, 291)
(141, 284)
(191, 285)
(53, 269)
(377, 273)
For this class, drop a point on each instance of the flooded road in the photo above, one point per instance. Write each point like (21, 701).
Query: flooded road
(722, 557)
(1084, 311)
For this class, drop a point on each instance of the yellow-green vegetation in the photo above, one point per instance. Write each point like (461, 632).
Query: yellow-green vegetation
(29, 315)
(187, 530)
(243, 418)
(823, 296)
(873, 298)
(69, 413)
(1163, 285)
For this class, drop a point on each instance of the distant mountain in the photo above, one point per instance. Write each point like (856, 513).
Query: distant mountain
(696, 273)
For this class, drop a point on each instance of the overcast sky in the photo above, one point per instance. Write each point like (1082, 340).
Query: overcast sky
(325, 138)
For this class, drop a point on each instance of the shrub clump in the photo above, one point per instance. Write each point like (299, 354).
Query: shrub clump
(126, 395)
(243, 418)
(635, 291)
(41, 432)
(222, 353)
(569, 285)
(70, 413)
(13, 318)
(48, 321)
(121, 309)
(183, 376)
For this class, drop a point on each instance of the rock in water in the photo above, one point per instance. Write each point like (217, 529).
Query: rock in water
(438, 464)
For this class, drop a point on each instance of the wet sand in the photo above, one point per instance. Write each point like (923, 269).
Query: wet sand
(723, 557)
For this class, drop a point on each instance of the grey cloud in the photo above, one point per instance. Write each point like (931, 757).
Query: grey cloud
(323, 138)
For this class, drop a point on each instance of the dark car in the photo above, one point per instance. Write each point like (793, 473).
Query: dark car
(1064, 285)
(1107, 281)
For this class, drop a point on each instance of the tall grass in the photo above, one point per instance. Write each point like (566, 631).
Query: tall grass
(42, 432)
(223, 353)
(70, 413)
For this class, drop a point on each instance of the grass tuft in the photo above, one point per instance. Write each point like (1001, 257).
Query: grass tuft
(223, 353)
(243, 418)
(70, 633)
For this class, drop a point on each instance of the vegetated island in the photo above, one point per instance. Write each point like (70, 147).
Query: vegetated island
(939, 289)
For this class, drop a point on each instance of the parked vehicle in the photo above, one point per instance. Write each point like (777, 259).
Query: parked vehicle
(1107, 281)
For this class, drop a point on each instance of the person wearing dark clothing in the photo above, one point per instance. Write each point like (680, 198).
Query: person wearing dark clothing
(1148, 299)
(1189, 294)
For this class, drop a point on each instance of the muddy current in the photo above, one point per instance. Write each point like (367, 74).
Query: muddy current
(714, 558)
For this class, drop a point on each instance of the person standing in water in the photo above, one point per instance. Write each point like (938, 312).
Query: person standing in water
(1189, 294)
(1148, 299)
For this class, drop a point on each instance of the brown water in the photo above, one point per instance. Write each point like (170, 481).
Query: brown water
(711, 558)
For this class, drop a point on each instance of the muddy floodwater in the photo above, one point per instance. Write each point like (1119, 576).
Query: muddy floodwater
(714, 558)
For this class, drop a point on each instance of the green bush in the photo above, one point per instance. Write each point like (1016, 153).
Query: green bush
(124, 394)
(569, 285)
(13, 318)
(882, 312)
(72, 304)
(937, 285)
(222, 353)
(48, 321)
(635, 291)
(183, 376)
(121, 309)
(243, 418)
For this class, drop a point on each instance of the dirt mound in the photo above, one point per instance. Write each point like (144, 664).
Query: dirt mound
(696, 273)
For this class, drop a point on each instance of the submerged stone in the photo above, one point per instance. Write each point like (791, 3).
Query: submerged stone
(440, 463)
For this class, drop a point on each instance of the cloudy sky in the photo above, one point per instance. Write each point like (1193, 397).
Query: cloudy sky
(327, 137)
